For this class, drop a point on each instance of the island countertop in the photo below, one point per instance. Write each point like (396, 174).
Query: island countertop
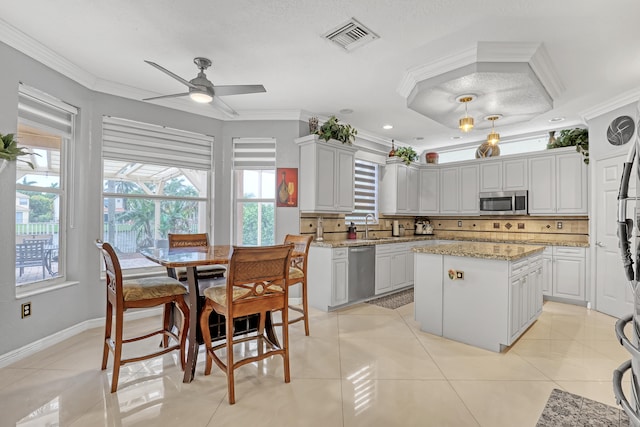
(500, 251)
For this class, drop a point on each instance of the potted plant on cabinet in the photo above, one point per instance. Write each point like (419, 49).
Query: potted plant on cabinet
(407, 154)
(577, 137)
(331, 129)
(9, 150)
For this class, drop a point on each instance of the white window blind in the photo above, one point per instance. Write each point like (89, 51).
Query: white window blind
(366, 191)
(254, 153)
(146, 143)
(38, 109)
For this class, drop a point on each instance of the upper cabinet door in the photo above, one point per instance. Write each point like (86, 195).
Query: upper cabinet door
(449, 190)
(327, 171)
(572, 183)
(514, 175)
(345, 181)
(429, 188)
(413, 195)
(491, 176)
(542, 188)
(469, 200)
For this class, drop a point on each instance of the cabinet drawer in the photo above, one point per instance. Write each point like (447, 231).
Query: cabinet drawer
(389, 248)
(568, 251)
(519, 267)
(340, 253)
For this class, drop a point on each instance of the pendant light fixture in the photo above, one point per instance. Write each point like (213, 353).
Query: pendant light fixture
(493, 138)
(466, 122)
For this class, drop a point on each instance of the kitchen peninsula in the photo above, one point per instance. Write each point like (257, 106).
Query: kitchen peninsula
(482, 294)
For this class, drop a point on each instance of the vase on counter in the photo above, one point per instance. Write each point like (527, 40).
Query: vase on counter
(313, 125)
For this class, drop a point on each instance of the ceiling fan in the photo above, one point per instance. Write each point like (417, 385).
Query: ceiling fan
(202, 90)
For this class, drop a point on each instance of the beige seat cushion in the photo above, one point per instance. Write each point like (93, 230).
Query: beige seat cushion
(152, 287)
(219, 293)
(295, 273)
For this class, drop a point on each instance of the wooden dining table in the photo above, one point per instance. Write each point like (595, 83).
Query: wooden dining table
(190, 258)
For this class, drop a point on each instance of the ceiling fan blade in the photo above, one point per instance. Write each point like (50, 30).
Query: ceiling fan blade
(225, 90)
(175, 76)
(222, 106)
(175, 95)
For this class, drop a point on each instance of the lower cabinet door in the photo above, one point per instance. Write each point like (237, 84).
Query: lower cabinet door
(340, 282)
(383, 273)
(515, 306)
(569, 277)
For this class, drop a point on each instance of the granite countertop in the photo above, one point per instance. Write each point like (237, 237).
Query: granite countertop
(499, 251)
(418, 238)
(372, 241)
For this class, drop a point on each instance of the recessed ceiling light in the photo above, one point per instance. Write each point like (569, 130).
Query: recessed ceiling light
(556, 119)
(346, 111)
(456, 137)
(387, 127)
(419, 138)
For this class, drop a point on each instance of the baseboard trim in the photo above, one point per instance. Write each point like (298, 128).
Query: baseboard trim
(46, 342)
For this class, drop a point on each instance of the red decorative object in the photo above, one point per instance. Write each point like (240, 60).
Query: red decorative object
(287, 187)
(432, 158)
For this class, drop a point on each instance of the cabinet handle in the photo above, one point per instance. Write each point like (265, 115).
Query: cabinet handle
(601, 245)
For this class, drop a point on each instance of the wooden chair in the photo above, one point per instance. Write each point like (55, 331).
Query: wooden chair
(298, 274)
(190, 241)
(138, 293)
(256, 284)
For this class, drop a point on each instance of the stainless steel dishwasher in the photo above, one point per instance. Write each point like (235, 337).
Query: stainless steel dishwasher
(362, 272)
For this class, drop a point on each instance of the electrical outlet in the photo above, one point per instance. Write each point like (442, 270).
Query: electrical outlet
(26, 309)
(559, 225)
(459, 223)
(460, 275)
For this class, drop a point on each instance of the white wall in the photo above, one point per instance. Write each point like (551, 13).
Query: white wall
(59, 309)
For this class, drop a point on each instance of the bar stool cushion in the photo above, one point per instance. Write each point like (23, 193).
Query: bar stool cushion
(152, 287)
(295, 273)
(218, 294)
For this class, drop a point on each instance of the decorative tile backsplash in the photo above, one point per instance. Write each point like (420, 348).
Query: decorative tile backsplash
(516, 228)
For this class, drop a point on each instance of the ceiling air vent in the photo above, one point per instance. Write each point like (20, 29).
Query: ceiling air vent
(351, 35)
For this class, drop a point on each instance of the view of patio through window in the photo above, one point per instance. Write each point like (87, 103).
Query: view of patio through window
(155, 182)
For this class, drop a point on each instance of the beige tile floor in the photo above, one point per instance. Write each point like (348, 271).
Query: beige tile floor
(362, 366)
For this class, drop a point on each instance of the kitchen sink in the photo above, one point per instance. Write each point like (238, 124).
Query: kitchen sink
(381, 238)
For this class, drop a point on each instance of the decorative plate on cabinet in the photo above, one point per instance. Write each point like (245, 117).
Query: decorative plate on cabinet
(620, 130)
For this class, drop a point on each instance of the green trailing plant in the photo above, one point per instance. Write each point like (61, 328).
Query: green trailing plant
(573, 137)
(331, 129)
(407, 154)
(10, 151)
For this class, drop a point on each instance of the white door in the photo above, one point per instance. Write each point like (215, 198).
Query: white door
(613, 293)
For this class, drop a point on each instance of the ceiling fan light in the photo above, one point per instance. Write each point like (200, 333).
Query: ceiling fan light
(493, 138)
(466, 124)
(201, 97)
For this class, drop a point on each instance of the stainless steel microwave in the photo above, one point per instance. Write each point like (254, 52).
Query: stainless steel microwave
(503, 203)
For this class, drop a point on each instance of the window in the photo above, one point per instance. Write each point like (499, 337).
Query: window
(164, 190)
(254, 161)
(46, 128)
(366, 192)
(526, 145)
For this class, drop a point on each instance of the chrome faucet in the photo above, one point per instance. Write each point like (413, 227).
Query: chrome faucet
(366, 224)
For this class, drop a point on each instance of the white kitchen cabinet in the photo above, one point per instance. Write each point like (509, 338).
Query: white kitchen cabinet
(563, 272)
(569, 270)
(449, 190)
(326, 175)
(459, 190)
(328, 277)
(558, 184)
(526, 294)
(399, 185)
(469, 186)
(515, 318)
(491, 176)
(392, 267)
(429, 189)
(503, 175)
(514, 175)
(547, 271)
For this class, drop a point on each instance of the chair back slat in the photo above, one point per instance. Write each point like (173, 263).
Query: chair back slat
(300, 250)
(188, 240)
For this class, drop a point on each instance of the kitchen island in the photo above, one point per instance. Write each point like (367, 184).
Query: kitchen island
(482, 294)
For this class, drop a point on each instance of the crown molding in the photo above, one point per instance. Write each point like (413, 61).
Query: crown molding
(619, 101)
(36, 50)
(426, 71)
(533, 53)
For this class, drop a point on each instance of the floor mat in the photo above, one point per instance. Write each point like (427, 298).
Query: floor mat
(568, 410)
(394, 301)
